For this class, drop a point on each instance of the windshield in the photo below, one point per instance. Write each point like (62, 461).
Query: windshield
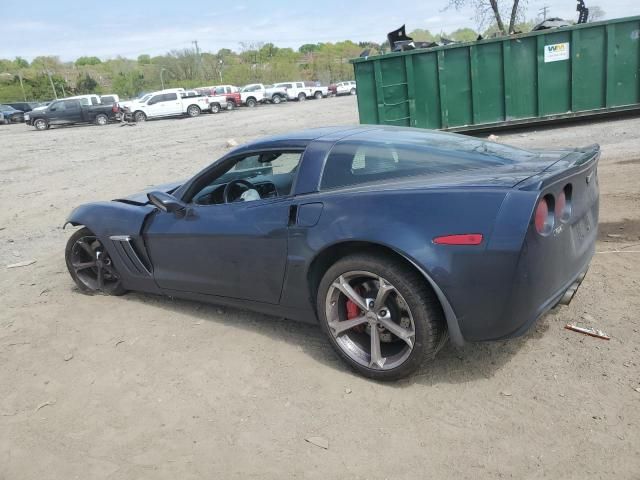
(7, 108)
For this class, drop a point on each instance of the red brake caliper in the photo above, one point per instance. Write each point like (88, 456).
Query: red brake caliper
(354, 311)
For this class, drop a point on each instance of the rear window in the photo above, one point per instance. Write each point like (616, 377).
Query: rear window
(409, 154)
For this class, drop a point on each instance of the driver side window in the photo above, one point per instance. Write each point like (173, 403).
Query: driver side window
(270, 174)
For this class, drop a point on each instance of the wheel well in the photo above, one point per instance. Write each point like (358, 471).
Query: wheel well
(325, 259)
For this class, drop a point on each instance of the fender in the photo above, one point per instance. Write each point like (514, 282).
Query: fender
(119, 226)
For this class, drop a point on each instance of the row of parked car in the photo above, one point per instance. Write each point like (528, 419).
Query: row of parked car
(164, 103)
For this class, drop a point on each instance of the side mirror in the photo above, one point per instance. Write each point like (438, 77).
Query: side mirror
(165, 202)
(53, 109)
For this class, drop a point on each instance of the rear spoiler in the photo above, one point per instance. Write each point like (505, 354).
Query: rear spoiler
(574, 162)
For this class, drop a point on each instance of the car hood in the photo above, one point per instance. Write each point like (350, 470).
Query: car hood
(140, 198)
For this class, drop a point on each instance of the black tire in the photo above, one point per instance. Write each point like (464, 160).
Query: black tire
(251, 102)
(40, 124)
(193, 111)
(215, 107)
(276, 99)
(139, 117)
(101, 119)
(317, 95)
(352, 91)
(302, 97)
(429, 326)
(231, 105)
(77, 250)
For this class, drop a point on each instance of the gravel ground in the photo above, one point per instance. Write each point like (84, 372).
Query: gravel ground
(148, 387)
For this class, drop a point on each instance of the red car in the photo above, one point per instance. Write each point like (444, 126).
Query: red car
(232, 93)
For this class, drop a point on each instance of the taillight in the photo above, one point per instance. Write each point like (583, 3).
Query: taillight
(544, 216)
(563, 204)
(115, 108)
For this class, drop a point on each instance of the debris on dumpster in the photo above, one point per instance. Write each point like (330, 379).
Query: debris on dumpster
(588, 331)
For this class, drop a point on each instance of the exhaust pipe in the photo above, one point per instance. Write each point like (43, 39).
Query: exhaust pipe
(571, 291)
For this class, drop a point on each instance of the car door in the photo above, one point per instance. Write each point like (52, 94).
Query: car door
(236, 250)
(155, 106)
(73, 113)
(172, 104)
(56, 112)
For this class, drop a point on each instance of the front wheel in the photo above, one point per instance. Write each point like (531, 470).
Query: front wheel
(302, 97)
(90, 266)
(41, 124)
(352, 91)
(231, 105)
(140, 117)
(276, 99)
(193, 110)
(380, 315)
(102, 120)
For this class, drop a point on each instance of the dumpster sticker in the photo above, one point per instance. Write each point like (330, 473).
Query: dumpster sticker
(556, 52)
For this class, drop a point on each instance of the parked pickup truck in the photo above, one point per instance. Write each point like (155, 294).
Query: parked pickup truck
(231, 93)
(251, 95)
(70, 111)
(168, 104)
(216, 102)
(302, 90)
(268, 93)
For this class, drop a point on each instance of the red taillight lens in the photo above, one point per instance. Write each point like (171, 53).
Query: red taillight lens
(544, 215)
(459, 239)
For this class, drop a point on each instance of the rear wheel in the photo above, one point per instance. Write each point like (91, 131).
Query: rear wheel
(276, 99)
(380, 316)
(352, 91)
(90, 266)
(215, 107)
(301, 97)
(193, 110)
(317, 95)
(102, 119)
(140, 117)
(40, 124)
(251, 102)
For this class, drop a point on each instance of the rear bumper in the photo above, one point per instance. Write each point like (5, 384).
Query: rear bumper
(562, 297)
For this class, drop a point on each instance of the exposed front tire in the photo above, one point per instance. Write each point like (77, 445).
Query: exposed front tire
(301, 97)
(140, 117)
(251, 102)
(101, 119)
(317, 95)
(276, 99)
(41, 124)
(380, 316)
(193, 110)
(90, 266)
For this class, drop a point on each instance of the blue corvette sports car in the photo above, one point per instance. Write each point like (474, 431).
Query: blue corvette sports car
(392, 239)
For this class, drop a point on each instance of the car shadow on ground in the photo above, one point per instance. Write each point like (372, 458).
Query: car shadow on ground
(474, 361)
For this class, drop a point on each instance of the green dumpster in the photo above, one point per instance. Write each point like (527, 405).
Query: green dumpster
(568, 72)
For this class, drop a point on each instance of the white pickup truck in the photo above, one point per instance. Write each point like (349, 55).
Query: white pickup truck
(168, 104)
(302, 90)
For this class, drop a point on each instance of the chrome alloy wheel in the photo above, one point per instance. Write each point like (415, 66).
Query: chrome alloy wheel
(370, 320)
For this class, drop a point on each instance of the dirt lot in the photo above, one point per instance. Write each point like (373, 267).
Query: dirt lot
(140, 386)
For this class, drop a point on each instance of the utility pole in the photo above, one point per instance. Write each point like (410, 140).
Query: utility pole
(55, 94)
(22, 86)
(198, 59)
(162, 79)
(543, 11)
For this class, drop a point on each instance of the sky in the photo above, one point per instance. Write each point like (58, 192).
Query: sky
(71, 28)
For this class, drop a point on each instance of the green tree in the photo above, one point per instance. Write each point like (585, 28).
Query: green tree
(420, 35)
(86, 84)
(464, 35)
(144, 60)
(20, 63)
(82, 61)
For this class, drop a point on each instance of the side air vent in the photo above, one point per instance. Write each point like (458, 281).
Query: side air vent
(129, 256)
